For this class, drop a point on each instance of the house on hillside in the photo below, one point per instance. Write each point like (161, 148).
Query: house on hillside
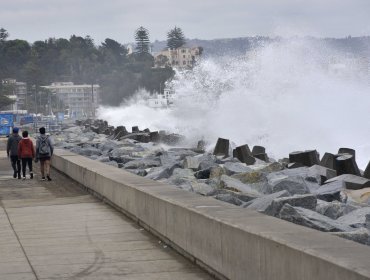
(182, 58)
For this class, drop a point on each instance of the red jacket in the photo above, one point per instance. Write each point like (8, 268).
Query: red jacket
(26, 149)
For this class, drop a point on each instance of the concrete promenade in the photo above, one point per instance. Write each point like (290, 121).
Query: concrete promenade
(56, 230)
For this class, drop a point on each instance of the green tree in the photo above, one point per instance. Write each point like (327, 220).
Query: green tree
(5, 90)
(142, 40)
(3, 35)
(175, 38)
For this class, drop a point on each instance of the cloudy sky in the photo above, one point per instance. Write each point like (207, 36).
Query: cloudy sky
(204, 19)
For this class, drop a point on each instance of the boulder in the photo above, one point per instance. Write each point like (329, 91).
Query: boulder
(356, 218)
(351, 182)
(103, 159)
(251, 177)
(268, 167)
(142, 163)
(330, 191)
(307, 201)
(236, 168)
(207, 162)
(192, 162)
(346, 164)
(237, 186)
(244, 154)
(216, 172)
(157, 173)
(90, 151)
(293, 165)
(222, 147)
(181, 177)
(311, 219)
(306, 158)
(334, 209)
(112, 163)
(203, 188)
(181, 153)
(135, 129)
(360, 235)
(324, 172)
(292, 184)
(262, 203)
(108, 146)
(229, 199)
(361, 196)
(367, 221)
(139, 172)
(203, 174)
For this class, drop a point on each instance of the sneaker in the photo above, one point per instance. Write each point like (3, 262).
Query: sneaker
(24, 178)
(49, 179)
(31, 175)
(43, 179)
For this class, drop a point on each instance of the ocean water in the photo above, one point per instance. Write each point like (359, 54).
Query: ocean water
(287, 96)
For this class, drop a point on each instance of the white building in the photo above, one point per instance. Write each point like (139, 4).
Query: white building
(162, 100)
(81, 101)
(19, 93)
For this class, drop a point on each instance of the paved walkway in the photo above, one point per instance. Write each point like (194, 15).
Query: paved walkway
(55, 230)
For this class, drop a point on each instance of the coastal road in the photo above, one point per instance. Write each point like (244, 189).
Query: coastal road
(56, 230)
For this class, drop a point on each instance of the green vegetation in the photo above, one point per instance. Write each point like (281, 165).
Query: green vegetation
(81, 61)
(175, 38)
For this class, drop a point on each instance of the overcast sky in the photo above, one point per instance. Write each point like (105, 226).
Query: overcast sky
(203, 19)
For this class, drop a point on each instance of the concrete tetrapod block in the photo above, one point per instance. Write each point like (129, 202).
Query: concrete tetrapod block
(244, 154)
(258, 150)
(307, 158)
(346, 164)
(367, 171)
(154, 136)
(222, 147)
(328, 161)
(263, 157)
(349, 151)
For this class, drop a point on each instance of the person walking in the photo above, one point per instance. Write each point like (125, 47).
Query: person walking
(26, 152)
(44, 152)
(12, 152)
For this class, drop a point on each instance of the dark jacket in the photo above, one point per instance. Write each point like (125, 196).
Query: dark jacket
(12, 145)
(26, 149)
(39, 140)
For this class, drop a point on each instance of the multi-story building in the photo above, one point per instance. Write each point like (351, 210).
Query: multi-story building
(81, 101)
(18, 93)
(182, 57)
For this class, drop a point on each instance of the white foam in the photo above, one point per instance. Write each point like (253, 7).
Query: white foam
(282, 95)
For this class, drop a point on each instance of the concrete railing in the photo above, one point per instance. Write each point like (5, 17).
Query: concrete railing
(232, 242)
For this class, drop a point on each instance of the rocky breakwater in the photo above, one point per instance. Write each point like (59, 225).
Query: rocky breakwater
(330, 194)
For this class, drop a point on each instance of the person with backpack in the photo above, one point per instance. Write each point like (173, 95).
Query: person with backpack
(12, 152)
(44, 152)
(26, 152)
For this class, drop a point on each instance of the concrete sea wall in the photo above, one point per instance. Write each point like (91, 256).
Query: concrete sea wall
(233, 243)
